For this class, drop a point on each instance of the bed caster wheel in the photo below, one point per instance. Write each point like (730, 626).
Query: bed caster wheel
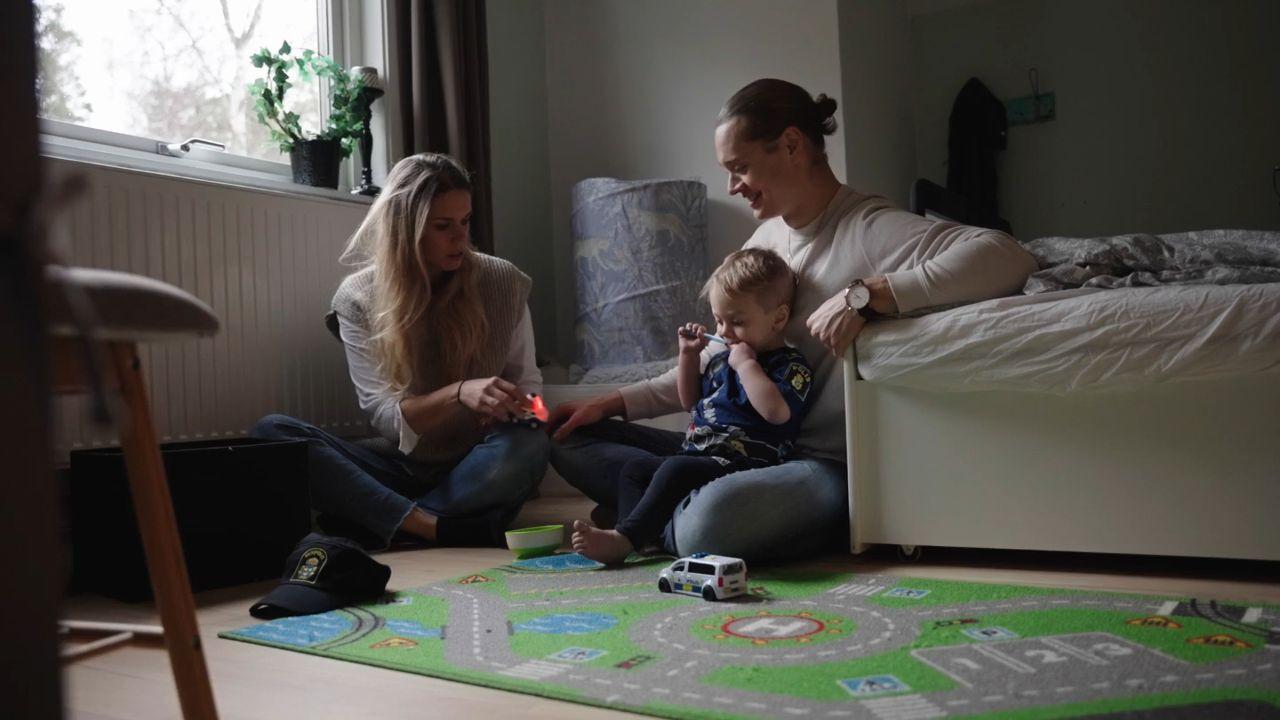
(909, 553)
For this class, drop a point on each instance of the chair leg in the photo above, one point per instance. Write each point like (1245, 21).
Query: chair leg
(159, 530)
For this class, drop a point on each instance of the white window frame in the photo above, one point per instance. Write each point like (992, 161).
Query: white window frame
(353, 32)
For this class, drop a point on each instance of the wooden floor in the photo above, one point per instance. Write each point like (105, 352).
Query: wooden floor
(251, 681)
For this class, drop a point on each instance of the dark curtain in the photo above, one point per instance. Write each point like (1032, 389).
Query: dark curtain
(444, 86)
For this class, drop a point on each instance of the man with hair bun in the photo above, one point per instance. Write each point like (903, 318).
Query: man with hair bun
(856, 257)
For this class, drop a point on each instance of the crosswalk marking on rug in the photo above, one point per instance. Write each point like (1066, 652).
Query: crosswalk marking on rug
(903, 707)
(1074, 651)
(535, 670)
(857, 589)
(1015, 665)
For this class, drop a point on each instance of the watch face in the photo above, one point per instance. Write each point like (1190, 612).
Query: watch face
(859, 296)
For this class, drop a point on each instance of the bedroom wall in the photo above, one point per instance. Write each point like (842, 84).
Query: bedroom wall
(1167, 112)
(876, 99)
(519, 163)
(632, 91)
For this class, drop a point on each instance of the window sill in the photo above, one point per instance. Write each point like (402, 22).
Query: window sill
(188, 168)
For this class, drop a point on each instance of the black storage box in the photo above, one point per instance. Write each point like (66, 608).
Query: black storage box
(241, 506)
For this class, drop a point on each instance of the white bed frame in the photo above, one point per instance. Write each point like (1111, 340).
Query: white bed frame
(1190, 469)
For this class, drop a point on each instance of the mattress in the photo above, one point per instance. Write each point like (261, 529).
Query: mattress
(1081, 340)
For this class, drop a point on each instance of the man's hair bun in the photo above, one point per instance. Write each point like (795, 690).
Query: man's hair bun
(826, 109)
(768, 106)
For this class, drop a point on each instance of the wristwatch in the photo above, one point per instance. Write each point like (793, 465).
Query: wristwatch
(857, 296)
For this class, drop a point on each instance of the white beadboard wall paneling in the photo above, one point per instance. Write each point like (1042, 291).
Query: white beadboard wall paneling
(266, 263)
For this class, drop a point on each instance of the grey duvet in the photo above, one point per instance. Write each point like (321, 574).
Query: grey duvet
(1205, 257)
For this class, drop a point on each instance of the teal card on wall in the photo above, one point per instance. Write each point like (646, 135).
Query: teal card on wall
(1030, 109)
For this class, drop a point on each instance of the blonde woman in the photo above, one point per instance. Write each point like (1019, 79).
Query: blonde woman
(439, 346)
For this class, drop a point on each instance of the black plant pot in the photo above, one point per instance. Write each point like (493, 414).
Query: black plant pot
(315, 162)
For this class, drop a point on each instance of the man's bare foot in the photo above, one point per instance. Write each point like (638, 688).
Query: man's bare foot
(606, 546)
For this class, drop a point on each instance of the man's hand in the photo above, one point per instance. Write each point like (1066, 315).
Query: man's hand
(691, 338)
(834, 324)
(740, 353)
(569, 416)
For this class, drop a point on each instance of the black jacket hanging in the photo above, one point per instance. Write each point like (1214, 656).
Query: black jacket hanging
(978, 130)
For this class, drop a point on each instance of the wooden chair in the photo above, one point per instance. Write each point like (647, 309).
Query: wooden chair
(115, 310)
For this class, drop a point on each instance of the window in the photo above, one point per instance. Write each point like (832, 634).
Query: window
(702, 568)
(119, 80)
(170, 69)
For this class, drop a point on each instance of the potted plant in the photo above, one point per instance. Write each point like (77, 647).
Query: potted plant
(314, 157)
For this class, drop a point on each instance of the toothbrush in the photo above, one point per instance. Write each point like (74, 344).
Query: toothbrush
(707, 335)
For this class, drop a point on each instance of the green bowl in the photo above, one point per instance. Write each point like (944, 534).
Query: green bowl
(535, 541)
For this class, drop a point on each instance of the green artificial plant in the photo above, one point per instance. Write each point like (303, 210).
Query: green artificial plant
(345, 123)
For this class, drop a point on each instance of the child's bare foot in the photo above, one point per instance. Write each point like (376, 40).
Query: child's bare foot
(606, 546)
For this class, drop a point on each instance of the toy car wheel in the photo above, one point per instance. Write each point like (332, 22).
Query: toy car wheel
(663, 585)
(709, 594)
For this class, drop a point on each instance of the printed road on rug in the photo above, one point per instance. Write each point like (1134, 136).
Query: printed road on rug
(808, 644)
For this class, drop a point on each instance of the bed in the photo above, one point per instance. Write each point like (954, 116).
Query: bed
(1136, 420)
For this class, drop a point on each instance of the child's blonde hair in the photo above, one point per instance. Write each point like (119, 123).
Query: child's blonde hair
(757, 272)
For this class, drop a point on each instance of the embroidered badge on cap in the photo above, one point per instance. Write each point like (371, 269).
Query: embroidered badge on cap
(310, 565)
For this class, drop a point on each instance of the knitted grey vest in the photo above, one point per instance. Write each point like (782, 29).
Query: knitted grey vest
(504, 291)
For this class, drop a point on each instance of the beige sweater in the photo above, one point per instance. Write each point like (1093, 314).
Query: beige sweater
(927, 263)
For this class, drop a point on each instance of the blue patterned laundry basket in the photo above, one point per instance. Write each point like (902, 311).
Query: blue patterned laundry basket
(640, 258)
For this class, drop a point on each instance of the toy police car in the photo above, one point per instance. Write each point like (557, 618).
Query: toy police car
(536, 416)
(714, 577)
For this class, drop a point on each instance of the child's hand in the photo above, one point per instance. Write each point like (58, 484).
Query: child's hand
(691, 338)
(740, 353)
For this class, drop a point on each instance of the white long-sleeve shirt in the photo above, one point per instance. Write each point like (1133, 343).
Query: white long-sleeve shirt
(926, 262)
(382, 404)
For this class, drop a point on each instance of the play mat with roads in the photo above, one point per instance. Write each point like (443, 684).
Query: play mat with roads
(811, 644)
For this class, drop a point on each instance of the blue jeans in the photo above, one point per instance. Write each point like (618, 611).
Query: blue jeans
(775, 513)
(650, 489)
(377, 491)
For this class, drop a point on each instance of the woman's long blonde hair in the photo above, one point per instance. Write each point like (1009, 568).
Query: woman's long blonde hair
(413, 322)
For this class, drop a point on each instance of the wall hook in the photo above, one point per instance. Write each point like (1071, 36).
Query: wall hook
(1033, 108)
